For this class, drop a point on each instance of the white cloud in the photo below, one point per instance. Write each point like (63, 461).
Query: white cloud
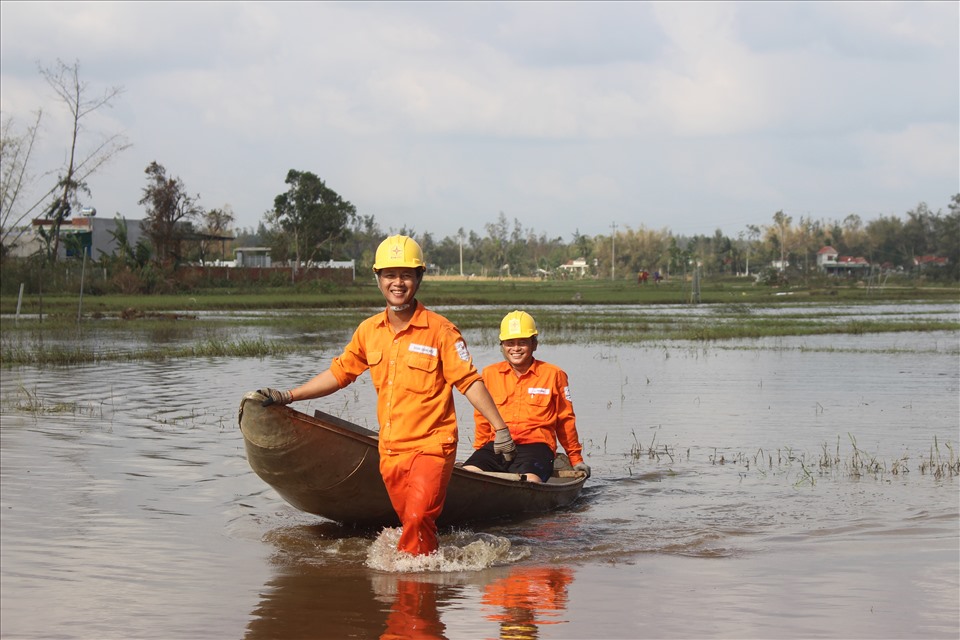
(919, 152)
(564, 115)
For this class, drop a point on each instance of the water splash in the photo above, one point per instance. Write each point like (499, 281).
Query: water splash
(459, 551)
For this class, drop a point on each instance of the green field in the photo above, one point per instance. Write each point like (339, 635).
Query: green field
(511, 293)
(63, 330)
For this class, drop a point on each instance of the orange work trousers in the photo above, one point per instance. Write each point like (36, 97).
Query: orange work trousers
(417, 485)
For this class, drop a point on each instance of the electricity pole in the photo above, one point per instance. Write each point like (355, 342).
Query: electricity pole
(613, 251)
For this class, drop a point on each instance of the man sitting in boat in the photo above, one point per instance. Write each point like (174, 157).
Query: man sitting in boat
(534, 398)
(415, 358)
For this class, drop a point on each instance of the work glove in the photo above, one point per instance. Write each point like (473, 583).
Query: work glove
(582, 466)
(504, 445)
(274, 396)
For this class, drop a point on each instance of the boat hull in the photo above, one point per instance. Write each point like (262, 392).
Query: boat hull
(331, 468)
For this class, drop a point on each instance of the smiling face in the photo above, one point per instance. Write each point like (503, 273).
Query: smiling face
(398, 285)
(519, 352)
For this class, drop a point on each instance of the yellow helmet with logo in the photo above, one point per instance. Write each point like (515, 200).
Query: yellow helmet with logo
(399, 251)
(517, 324)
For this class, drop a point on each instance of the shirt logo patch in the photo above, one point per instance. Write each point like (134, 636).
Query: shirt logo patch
(462, 350)
(424, 349)
(566, 394)
(538, 391)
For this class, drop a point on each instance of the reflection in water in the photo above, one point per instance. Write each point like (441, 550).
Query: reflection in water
(320, 589)
(518, 602)
(527, 598)
(314, 601)
(415, 614)
(127, 501)
(415, 606)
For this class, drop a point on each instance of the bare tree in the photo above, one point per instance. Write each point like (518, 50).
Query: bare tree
(15, 179)
(65, 81)
(216, 222)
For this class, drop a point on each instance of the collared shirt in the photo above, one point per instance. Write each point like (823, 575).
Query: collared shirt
(413, 372)
(536, 406)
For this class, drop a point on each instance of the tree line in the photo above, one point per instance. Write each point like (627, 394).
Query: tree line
(311, 223)
(331, 229)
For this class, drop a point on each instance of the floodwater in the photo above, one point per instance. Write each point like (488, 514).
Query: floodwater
(789, 488)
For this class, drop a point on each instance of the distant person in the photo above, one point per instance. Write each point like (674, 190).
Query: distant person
(643, 277)
(534, 398)
(415, 358)
(657, 277)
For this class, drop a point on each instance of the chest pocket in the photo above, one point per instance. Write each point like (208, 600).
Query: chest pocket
(374, 358)
(538, 399)
(539, 408)
(422, 363)
(422, 374)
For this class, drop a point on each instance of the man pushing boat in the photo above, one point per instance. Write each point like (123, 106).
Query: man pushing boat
(415, 358)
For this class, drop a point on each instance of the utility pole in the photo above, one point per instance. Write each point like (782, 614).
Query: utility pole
(613, 251)
(460, 237)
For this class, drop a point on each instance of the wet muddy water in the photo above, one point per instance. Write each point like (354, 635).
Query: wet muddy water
(786, 488)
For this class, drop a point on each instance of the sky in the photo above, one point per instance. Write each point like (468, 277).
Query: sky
(565, 117)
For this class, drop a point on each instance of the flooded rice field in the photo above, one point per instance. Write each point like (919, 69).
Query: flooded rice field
(790, 487)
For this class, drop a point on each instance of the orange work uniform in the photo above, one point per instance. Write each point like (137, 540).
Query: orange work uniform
(413, 372)
(536, 406)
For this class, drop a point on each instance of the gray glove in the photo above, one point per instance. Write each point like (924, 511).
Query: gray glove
(503, 444)
(275, 396)
(583, 466)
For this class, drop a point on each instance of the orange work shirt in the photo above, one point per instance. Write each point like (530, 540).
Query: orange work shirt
(413, 372)
(536, 406)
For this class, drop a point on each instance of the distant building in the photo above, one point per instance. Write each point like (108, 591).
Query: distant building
(831, 262)
(826, 256)
(924, 262)
(577, 266)
(780, 265)
(93, 236)
(252, 256)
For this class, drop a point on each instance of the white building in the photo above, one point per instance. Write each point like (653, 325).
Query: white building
(94, 236)
(577, 265)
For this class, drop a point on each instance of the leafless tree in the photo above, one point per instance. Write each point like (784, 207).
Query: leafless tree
(216, 222)
(15, 179)
(65, 80)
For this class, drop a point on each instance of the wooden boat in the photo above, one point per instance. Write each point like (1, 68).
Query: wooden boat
(329, 467)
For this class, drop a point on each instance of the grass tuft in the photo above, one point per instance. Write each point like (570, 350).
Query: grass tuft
(856, 464)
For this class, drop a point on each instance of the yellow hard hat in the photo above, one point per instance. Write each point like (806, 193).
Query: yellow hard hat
(517, 324)
(399, 251)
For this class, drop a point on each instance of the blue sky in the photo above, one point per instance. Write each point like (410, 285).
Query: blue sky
(567, 117)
